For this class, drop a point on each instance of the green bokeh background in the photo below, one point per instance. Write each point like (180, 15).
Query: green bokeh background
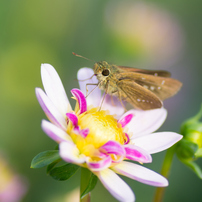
(48, 31)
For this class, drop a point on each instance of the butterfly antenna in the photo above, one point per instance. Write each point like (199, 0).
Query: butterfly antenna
(82, 57)
(87, 78)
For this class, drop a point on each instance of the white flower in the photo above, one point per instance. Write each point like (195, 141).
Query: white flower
(97, 140)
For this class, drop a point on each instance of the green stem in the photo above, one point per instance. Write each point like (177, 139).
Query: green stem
(158, 197)
(85, 176)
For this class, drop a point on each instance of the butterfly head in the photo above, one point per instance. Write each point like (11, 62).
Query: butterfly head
(101, 70)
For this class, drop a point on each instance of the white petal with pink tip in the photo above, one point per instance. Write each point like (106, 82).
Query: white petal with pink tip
(125, 120)
(116, 186)
(80, 98)
(50, 110)
(140, 173)
(112, 147)
(115, 148)
(99, 165)
(54, 88)
(157, 142)
(70, 153)
(55, 132)
(136, 153)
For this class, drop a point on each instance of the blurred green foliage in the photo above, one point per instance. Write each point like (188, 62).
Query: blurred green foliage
(48, 31)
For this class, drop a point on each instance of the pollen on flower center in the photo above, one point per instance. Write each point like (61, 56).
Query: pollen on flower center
(102, 128)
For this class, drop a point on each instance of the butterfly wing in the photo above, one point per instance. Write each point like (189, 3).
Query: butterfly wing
(161, 73)
(162, 87)
(137, 95)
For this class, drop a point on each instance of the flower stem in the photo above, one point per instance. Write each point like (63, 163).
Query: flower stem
(158, 197)
(85, 176)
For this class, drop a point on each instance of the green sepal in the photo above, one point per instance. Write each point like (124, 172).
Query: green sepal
(198, 153)
(186, 149)
(63, 172)
(194, 167)
(91, 185)
(45, 158)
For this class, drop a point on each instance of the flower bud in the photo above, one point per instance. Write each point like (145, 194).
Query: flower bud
(190, 147)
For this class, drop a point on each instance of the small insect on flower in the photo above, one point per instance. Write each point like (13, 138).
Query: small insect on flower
(144, 89)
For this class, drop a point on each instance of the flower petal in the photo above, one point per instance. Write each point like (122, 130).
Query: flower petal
(95, 93)
(54, 88)
(157, 142)
(81, 99)
(82, 132)
(145, 122)
(116, 186)
(125, 120)
(55, 132)
(99, 165)
(70, 153)
(140, 173)
(136, 153)
(112, 147)
(112, 104)
(127, 138)
(50, 110)
(73, 118)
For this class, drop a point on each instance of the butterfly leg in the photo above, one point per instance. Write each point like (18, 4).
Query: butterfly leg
(104, 95)
(112, 101)
(94, 84)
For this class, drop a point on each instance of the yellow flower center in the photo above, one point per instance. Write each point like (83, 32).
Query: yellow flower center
(102, 128)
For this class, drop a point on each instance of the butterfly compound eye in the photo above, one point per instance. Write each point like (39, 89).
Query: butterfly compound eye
(105, 72)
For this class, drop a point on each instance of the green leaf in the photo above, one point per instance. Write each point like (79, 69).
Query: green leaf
(52, 165)
(45, 158)
(194, 167)
(57, 147)
(64, 172)
(91, 185)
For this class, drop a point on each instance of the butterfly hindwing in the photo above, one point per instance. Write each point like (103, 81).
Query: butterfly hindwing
(162, 87)
(138, 96)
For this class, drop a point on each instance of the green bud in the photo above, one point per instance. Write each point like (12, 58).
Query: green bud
(190, 147)
(186, 150)
(191, 129)
(194, 136)
(192, 123)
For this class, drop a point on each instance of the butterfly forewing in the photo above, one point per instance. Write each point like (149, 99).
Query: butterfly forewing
(162, 87)
(161, 73)
(137, 95)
